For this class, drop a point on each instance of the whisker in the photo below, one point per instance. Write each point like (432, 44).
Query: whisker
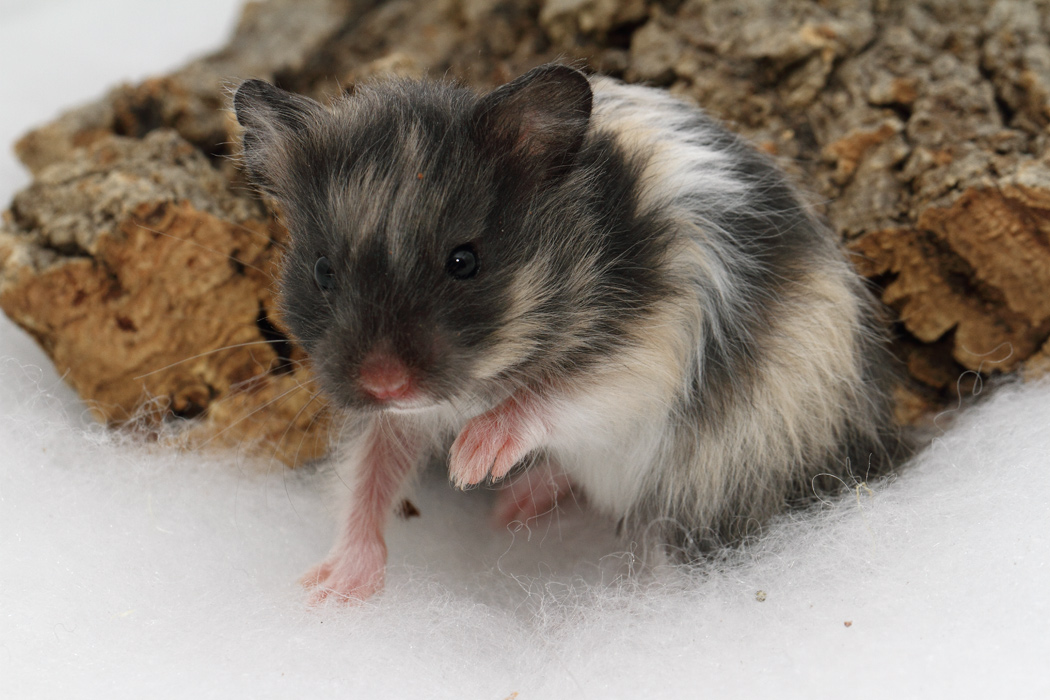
(280, 440)
(204, 247)
(280, 245)
(258, 409)
(246, 384)
(309, 428)
(284, 473)
(211, 352)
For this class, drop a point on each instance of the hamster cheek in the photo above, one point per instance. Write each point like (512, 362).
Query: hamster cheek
(492, 443)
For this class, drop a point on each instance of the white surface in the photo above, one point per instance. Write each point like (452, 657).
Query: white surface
(130, 572)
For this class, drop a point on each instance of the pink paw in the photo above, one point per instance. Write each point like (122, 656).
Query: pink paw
(488, 445)
(534, 493)
(347, 576)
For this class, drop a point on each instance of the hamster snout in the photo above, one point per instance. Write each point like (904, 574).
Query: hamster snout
(384, 377)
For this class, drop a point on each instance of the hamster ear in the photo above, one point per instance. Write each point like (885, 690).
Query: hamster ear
(537, 122)
(271, 117)
(259, 105)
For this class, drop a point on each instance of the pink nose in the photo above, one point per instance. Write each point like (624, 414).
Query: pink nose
(385, 377)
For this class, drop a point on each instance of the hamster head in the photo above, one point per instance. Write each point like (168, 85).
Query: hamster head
(414, 210)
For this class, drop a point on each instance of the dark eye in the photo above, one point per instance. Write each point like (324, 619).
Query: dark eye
(324, 275)
(462, 262)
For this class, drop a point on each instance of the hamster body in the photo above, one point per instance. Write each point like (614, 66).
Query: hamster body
(591, 278)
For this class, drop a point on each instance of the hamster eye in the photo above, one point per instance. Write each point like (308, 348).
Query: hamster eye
(324, 275)
(462, 262)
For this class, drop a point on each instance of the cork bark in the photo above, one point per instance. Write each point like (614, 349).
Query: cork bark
(144, 265)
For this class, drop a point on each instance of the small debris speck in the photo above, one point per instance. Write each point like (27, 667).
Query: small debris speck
(407, 510)
(848, 623)
(760, 596)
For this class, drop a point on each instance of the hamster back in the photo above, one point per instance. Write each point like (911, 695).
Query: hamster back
(571, 275)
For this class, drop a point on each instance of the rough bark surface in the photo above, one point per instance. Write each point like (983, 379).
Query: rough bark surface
(143, 264)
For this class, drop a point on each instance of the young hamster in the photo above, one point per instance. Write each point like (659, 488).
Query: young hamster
(585, 277)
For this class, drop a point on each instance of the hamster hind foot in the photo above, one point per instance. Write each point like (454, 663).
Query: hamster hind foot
(535, 492)
(352, 575)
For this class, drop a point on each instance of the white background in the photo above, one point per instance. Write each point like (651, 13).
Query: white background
(131, 572)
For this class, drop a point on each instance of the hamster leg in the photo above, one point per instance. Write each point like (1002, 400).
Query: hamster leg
(355, 568)
(531, 494)
(492, 443)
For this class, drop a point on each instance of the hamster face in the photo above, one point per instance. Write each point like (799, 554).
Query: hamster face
(393, 269)
(410, 230)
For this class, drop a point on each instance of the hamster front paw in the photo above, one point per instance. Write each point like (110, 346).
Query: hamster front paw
(484, 447)
(349, 575)
(492, 443)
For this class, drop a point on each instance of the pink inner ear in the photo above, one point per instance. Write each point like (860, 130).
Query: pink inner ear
(530, 127)
(539, 120)
(524, 139)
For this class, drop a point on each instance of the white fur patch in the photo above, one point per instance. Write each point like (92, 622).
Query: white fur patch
(680, 158)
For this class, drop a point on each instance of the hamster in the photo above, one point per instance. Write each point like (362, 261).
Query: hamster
(571, 275)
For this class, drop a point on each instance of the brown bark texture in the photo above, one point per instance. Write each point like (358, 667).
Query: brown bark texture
(143, 263)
